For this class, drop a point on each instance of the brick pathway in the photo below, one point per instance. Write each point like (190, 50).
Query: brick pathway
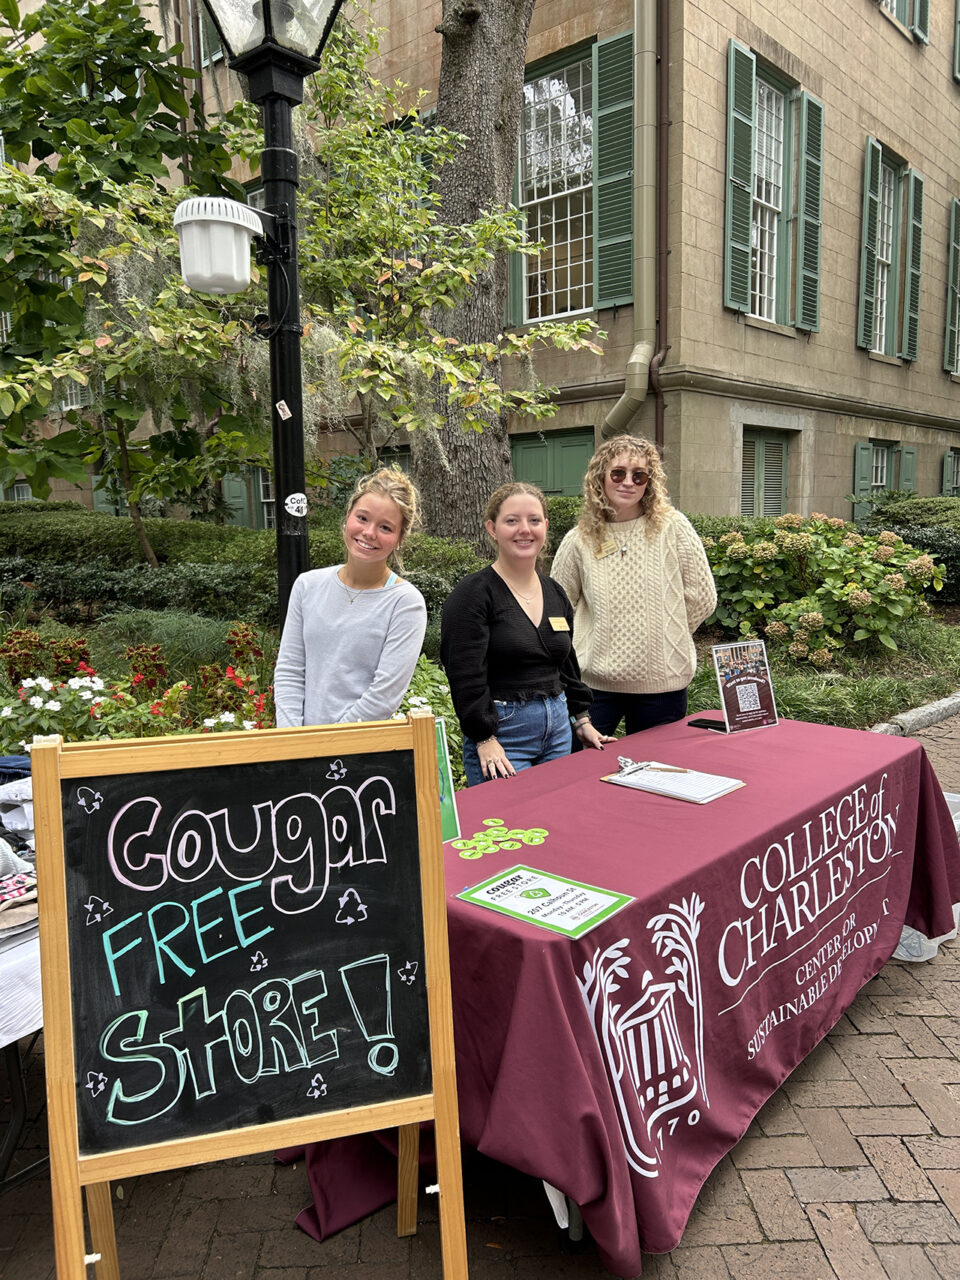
(851, 1171)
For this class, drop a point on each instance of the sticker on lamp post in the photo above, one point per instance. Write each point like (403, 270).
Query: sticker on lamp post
(284, 410)
(295, 504)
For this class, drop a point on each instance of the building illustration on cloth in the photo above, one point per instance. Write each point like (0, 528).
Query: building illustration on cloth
(656, 1082)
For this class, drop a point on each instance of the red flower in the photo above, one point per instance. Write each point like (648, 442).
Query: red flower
(138, 677)
(155, 708)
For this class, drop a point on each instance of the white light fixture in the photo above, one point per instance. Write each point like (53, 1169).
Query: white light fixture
(215, 235)
(298, 25)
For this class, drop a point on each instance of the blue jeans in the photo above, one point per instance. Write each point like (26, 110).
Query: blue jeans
(642, 710)
(530, 733)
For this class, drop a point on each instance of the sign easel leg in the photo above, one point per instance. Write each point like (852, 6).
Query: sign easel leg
(408, 1165)
(102, 1233)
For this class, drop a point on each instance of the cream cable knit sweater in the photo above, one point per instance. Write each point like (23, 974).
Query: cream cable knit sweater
(635, 611)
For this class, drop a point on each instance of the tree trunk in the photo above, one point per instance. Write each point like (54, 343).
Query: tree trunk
(480, 96)
(134, 508)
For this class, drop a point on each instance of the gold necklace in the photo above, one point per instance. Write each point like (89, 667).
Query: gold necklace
(516, 592)
(352, 595)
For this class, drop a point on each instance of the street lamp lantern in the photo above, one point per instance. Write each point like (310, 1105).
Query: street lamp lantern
(275, 44)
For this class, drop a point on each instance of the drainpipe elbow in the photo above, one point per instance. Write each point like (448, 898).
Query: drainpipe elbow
(623, 412)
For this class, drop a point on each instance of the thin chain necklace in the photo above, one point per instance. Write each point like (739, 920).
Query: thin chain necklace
(518, 594)
(624, 539)
(352, 595)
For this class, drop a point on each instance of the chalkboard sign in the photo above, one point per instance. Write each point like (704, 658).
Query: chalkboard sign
(248, 922)
(251, 944)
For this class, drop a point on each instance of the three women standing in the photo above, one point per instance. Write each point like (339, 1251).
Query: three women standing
(506, 645)
(353, 632)
(640, 584)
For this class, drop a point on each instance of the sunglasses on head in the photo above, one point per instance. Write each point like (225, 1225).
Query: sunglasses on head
(619, 474)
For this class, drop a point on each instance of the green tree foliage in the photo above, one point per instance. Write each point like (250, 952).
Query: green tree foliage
(379, 265)
(95, 108)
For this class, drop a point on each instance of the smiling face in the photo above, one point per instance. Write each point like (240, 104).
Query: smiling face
(373, 528)
(620, 485)
(520, 529)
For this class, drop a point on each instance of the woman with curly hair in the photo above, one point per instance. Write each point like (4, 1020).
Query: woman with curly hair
(637, 576)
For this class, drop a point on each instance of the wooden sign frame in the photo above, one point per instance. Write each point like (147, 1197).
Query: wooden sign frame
(73, 1172)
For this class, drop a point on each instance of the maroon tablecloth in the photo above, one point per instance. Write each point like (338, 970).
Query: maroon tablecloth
(623, 1066)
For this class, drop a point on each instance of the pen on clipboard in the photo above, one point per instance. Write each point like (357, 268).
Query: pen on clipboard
(644, 766)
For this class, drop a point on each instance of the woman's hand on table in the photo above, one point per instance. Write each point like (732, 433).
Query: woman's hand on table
(588, 735)
(493, 760)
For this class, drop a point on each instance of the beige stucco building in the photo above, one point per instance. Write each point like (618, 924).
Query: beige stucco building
(759, 202)
(776, 190)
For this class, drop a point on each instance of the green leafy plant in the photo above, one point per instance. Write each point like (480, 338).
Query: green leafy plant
(817, 585)
(429, 691)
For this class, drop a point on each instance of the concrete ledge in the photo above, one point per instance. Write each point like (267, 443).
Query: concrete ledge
(921, 717)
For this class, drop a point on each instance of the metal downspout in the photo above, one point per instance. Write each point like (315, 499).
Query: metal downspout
(645, 221)
(663, 250)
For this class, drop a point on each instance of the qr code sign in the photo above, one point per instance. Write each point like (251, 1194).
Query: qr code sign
(747, 697)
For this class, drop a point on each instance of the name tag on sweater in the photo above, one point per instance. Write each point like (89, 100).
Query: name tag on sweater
(560, 624)
(607, 549)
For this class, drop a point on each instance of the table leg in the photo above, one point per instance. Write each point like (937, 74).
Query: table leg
(575, 1229)
(103, 1236)
(408, 1164)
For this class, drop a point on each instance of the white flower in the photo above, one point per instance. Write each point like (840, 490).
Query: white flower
(94, 701)
(208, 724)
(227, 717)
(74, 682)
(86, 695)
(418, 702)
(36, 702)
(52, 705)
(96, 683)
(6, 711)
(28, 684)
(44, 684)
(249, 724)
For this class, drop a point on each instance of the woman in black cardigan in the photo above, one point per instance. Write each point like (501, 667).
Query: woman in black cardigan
(506, 642)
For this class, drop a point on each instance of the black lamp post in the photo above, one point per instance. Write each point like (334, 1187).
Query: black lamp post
(276, 44)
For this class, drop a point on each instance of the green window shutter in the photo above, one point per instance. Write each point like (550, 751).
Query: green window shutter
(741, 116)
(953, 290)
(774, 477)
(236, 493)
(910, 342)
(862, 477)
(868, 243)
(809, 206)
(530, 460)
(907, 479)
(921, 20)
(613, 172)
(956, 42)
(574, 449)
(748, 477)
(946, 473)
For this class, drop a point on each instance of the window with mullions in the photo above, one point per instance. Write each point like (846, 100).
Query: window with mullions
(556, 190)
(211, 50)
(951, 473)
(268, 502)
(880, 465)
(575, 184)
(774, 195)
(913, 14)
(888, 318)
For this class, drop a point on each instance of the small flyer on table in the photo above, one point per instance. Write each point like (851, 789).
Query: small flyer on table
(746, 690)
(553, 902)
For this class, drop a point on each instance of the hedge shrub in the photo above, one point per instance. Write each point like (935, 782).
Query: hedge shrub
(909, 509)
(943, 543)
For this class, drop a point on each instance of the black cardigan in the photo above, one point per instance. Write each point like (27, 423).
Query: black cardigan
(490, 649)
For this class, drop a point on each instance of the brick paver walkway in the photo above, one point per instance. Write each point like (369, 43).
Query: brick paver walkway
(851, 1170)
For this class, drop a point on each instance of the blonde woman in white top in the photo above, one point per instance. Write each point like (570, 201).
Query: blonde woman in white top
(637, 576)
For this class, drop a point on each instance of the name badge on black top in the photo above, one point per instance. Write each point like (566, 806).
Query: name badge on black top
(560, 624)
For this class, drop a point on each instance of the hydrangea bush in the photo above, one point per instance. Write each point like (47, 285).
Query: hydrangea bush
(814, 586)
